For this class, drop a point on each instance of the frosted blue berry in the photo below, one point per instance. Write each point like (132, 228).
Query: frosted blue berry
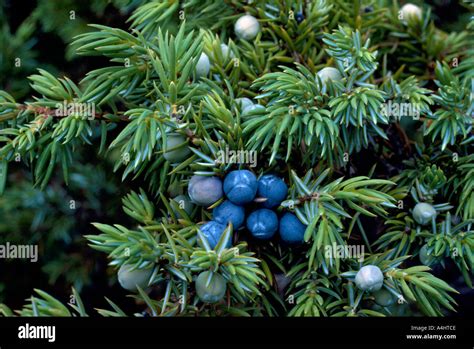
(204, 191)
(273, 189)
(213, 232)
(210, 287)
(291, 229)
(240, 186)
(229, 212)
(369, 278)
(262, 223)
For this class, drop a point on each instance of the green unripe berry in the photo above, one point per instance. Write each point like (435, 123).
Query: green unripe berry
(184, 203)
(178, 154)
(384, 297)
(425, 258)
(423, 213)
(130, 278)
(210, 290)
(175, 188)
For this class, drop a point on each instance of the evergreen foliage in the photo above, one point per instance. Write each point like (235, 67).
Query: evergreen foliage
(310, 130)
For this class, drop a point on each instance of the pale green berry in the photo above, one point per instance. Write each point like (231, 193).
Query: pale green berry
(178, 154)
(244, 103)
(184, 203)
(203, 66)
(369, 278)
(329, 73)
(410, 11)
(253, 108)
(384, 297)
(226, 52)
(210, 289)
(424, 213)
(130, 278)
(425, 258)
(247, 27)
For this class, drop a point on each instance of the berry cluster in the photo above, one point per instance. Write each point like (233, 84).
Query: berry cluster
(244, 192)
